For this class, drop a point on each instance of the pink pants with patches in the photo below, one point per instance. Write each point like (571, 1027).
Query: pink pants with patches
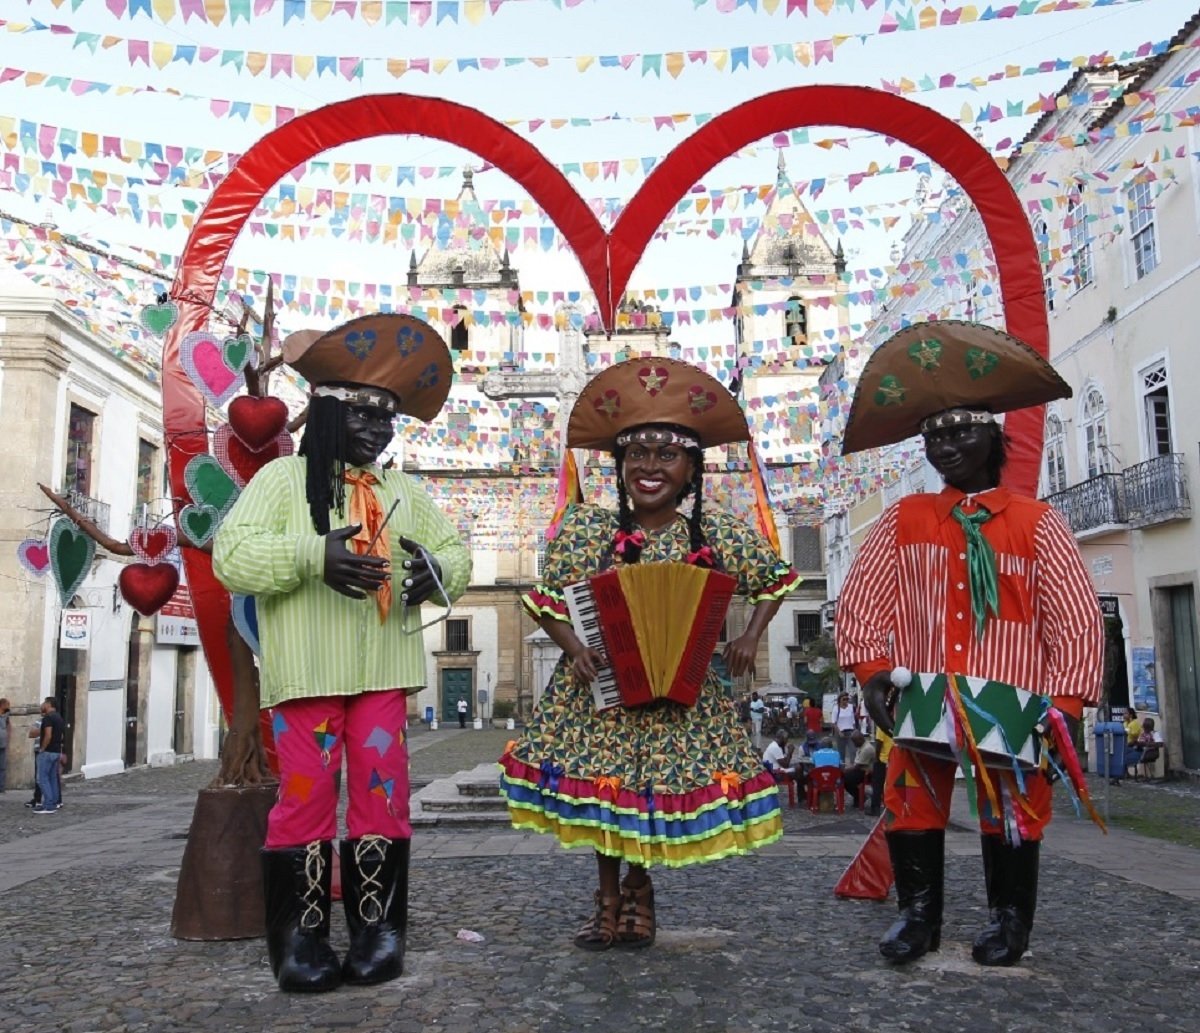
(310, 735)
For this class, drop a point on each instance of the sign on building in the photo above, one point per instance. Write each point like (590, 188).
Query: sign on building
(176, 621)
(75, 631)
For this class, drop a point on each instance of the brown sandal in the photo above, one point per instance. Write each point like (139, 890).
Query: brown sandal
(599, 932)
(636, 925)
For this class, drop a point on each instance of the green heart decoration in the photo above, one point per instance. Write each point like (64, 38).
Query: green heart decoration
(890, 391)
(198, 523)
(209, 485)
(160, 317)
(71, 554)
(980, 363)
(237, 352)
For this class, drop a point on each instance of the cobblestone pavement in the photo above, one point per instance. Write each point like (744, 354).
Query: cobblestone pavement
(749, 944)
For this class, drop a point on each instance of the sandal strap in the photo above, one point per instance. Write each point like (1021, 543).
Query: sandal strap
(636, 923)
(601, 928)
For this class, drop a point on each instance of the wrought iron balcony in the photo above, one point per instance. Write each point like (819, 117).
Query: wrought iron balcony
(93, 509)
(1098, 502)
(1156, 491)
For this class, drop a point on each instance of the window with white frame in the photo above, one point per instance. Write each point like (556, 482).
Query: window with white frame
(807, 554)
(1093, 427)
(1156, 409)
(539, 554)
(458, 427)
(1082, 270)
(1041, 231)
(1141, 228)
(795, 320)
(1056, 454)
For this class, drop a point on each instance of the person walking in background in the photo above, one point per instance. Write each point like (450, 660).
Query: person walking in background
(757, 710)
(462, 712)
(50, 745)
(5, 728)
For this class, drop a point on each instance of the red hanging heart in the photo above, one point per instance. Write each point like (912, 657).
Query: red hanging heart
(152, 543)
(257, 421)
(147, 587)
(239, 461)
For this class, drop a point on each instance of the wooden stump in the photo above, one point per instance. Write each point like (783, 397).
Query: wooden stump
(220, 895)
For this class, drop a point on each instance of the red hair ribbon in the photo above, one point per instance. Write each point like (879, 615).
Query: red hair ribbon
(702, 557)
(636, 539)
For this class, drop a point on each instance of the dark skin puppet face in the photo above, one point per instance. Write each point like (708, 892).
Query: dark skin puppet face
(961, 453)
(369, 430)
(654, 477)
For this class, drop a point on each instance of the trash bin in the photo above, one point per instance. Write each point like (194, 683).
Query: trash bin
(1110, 755)
(429, 715)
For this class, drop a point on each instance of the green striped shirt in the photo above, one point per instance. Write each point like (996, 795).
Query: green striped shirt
(315, 641)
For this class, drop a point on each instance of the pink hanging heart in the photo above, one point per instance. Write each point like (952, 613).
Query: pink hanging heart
(203, 358)
(151, 544)
(34, 556)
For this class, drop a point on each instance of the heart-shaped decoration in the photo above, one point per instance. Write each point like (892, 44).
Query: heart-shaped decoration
(245, 619)
(34, 555)
(409, 340)
(239, 461)
(257, 422)
(199, 524)
(203, 359)
(147, 587)
(653, 379)
(980, 362)
(71, 554)
(607, 259)
(608, 403)
(237, 352)
(159, 318)
(150, 544)
(700, 400)
(360, 345)
(209, 485)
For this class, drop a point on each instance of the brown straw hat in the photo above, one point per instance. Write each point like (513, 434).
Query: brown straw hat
(654, 390)
(396, 352)
(927, 368)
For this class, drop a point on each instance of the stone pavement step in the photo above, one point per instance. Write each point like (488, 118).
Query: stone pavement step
(466, 797)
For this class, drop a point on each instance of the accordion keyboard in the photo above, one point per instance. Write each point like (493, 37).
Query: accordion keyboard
(585, 617)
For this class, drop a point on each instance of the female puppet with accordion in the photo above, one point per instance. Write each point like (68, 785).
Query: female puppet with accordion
(635, 748)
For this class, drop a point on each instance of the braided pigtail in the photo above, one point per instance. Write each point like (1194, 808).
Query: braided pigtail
(629, 542)
(701, 555)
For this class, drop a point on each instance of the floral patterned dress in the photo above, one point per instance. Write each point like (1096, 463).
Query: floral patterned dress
(662, 784)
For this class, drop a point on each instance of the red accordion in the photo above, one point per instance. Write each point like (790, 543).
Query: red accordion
(657, 625)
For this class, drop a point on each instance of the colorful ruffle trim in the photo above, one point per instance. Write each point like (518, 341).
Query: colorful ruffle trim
(727, 817)
(787, 583)
(539, 603)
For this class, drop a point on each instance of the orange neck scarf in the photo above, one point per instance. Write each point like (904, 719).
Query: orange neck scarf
(366, 510)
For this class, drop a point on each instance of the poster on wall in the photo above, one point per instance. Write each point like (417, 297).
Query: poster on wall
(76, 630)
(175, 623)
(1145, 688)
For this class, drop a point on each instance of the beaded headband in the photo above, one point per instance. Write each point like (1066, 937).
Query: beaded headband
(657, 436)
(359, 395)
(956, 418)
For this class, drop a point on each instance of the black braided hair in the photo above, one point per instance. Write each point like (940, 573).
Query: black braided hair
(999, 453)
(696, 538)
(632, 552)
(324, 445)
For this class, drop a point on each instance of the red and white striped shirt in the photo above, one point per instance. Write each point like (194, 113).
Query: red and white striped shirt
(906, 601)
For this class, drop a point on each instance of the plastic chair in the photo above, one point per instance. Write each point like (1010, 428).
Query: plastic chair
(788, 779)
(826, 780)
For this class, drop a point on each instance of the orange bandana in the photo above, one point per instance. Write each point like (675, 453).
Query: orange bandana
(366, 510)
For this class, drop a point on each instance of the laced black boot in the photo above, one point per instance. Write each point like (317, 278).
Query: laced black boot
(375, 895)
(296, 888)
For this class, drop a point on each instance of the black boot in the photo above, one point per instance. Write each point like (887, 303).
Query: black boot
(918, 862)
(1011, 874)
(375, 895)
(296, 887)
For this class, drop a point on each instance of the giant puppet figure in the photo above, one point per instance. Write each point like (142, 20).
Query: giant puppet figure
(983, 592)
(339, 553)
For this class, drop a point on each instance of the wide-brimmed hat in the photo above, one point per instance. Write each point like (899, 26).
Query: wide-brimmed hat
(929, 367)
(396, 352)
(641, 391)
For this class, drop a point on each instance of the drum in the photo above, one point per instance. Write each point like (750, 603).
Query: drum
(1003, 720)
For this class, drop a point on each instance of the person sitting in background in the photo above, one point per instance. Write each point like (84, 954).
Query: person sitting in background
(857, 772)
(827, 756)
(778, 756)
(1146, 749)
(1133, 728)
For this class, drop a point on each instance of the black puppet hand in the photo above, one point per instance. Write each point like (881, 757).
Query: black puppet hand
(879, 697)
(347, 572)
(416, 583)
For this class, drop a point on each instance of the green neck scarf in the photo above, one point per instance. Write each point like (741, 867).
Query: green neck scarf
(981, 567)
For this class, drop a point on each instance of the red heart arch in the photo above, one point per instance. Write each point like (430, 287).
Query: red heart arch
(608, 260)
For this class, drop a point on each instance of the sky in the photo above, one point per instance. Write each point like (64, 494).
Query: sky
(527, 63)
